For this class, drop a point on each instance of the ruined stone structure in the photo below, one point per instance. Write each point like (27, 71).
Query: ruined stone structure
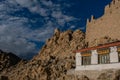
(107, 26)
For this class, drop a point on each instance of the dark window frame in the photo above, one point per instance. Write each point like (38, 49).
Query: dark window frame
(118, 56)
(118, 50)
(86, 60)
(103, 58)
(103, 55)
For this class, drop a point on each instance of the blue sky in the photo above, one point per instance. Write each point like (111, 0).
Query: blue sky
(26, 24)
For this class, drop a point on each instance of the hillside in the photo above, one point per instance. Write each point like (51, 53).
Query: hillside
(53, 61)
(56, 58)
(7, 60)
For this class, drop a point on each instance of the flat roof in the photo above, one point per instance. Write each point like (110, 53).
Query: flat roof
(98, 47)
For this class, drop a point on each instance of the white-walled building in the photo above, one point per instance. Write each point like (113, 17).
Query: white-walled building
(102, 57)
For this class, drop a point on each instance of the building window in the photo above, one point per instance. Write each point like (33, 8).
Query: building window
(119, 56)
(86, 60)
(118, 50)
(103, 58)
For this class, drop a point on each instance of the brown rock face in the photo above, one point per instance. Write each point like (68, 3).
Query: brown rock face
(57, 57)
(4, 78)
(63, 44)
(57, 54)
(54, 60)
(7, 60)
(109, 75)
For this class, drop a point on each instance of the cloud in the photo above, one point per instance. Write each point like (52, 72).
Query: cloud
(72, 26)
(16, 36)
(49, 9)
(61, 18)
(19, 39)
(14, 28)
(16, 33)
(25, 3)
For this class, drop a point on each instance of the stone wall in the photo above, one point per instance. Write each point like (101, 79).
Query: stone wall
(109, 74)
(106, 26)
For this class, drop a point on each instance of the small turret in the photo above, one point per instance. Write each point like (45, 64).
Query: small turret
(88, 21)
(116, 1)
(112, 5)
(92, 18)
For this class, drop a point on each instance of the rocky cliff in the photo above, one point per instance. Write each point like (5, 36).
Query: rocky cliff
(7, 60)
(53, 61)
(56, 61)
(56, 58)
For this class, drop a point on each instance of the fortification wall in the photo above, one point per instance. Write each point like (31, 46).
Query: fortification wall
(106, 26)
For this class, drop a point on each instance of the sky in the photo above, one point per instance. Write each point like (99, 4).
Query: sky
(25, 25)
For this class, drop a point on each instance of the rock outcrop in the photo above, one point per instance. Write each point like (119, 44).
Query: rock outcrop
(56, 57)
(7, 60)
(54, 60)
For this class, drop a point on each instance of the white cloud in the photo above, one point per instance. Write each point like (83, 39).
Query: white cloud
(16, 39)
(47, 3)
(16, 36)
(51, 9)
(72, 26)
(25, 3)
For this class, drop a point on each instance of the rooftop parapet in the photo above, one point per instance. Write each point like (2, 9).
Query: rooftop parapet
(111, 5)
